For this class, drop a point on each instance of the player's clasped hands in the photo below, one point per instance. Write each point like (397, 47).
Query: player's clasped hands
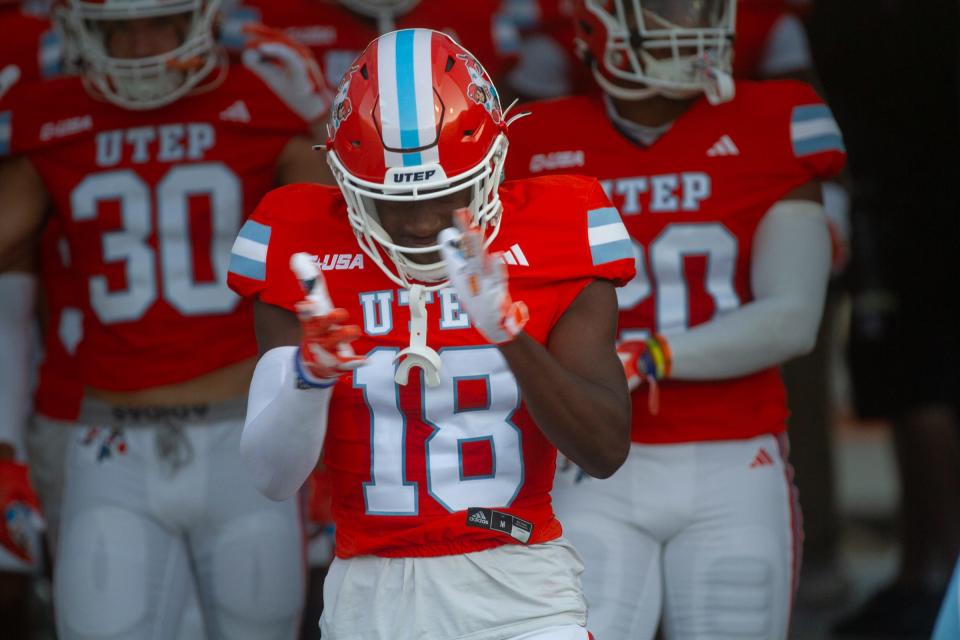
(480, 280)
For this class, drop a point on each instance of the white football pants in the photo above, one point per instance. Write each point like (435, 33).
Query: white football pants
(511, 592)
(703, 537)
(155, 505)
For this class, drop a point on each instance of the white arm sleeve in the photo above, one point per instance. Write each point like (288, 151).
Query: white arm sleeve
(285, 426)
(789, 270)
(18, 293)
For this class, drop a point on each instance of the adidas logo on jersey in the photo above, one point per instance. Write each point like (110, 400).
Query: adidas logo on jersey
(237, 112)
(723, 147)
(514, 256)
(341, 261)
(479, 518)
(762, 459)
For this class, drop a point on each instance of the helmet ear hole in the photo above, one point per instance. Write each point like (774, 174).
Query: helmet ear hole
(363, 72)
(450, 63)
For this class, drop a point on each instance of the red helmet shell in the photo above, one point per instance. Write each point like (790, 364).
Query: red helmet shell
(414, 97)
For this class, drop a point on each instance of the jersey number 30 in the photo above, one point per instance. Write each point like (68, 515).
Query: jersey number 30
(390, 491)
(129, 244)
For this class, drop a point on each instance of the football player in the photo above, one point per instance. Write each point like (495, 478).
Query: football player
(482, 349)
(337, 31)
(718, 185)
(150, 161)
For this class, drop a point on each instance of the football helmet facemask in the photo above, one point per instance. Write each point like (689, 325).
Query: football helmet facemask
(674, 48)
(416, 118)
(146, 82)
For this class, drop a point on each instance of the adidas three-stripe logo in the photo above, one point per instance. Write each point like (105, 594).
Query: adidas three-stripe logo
(514, 255)
(723, 147)
(236, 112)
(762, 459)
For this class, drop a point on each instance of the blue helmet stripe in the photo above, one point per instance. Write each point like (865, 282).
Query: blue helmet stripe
(407, 96)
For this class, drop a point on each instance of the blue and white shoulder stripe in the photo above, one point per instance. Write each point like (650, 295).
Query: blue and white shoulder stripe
(248, 258)
(813, 130)
(609, 239)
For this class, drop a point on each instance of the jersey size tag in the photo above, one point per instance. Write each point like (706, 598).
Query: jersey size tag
(498, 521)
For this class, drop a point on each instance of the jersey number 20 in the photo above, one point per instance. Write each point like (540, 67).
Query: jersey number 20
(668, 281)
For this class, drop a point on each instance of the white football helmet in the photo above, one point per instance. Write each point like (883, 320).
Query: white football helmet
(673, 48)
(149, 82)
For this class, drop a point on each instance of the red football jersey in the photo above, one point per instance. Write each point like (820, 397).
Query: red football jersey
(59, 386)
(150, 202)
(461, 467)
(692, 203)
(337, 35)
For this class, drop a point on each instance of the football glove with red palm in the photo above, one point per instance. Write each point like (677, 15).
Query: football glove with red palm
(20, 511)
(289, 68)
(325, 353)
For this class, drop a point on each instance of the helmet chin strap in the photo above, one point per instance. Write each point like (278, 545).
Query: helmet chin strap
(418, 354)
(624, 93)
(717, 85)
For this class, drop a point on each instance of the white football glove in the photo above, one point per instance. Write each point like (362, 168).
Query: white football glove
(288, 68)
(480, 280)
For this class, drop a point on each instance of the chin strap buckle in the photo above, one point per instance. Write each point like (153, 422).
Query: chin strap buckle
(418, 354)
